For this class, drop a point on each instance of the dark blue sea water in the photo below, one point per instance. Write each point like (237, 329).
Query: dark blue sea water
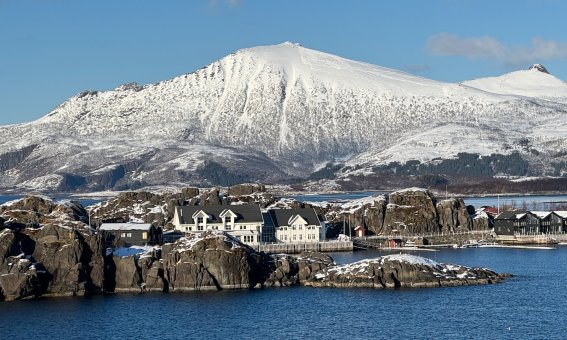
(531, 305)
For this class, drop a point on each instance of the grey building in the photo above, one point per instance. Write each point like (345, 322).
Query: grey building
(549, 221)
(131, 234)
(512, 222)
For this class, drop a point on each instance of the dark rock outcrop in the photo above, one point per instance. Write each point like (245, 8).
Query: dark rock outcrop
(46, 249)
(293, 270)
(402, 271)
(245, 189)
(453, 215)
(411, 211)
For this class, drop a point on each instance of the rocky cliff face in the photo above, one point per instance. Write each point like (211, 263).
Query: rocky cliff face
(406, 212)
(45, 249)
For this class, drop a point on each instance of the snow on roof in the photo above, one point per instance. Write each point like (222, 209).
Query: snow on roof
(541, 214)
(125, 226)
(561, 213)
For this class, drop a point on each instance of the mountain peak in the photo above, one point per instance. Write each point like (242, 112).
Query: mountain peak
(538, 67)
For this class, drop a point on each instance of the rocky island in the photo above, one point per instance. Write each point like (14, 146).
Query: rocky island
(47, 249)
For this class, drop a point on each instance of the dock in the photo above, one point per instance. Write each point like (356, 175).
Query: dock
(295, 248)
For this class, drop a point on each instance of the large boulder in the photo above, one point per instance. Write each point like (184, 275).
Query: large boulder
(374, 215)
(411, 211)
(65, 257)
(245, 189)
(214, 260)
(292, 270)
(453, 215)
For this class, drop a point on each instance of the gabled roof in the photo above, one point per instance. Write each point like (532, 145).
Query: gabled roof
(245, 213)
(511, 215)
(281, 217)
(541, 214)
(296, 218)
(125, 226)
(561, 213)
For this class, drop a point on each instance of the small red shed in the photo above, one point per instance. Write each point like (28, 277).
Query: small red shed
(359, 231)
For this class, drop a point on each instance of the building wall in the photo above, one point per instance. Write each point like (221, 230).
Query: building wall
(504, 227)
(238, 230)
(298, 233)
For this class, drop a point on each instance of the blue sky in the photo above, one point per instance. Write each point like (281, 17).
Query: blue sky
(53, 49)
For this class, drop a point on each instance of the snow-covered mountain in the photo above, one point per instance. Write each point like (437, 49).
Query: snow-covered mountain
(274, 112)
(534, 82)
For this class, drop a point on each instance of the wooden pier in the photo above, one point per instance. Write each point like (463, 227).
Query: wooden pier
(295, 248)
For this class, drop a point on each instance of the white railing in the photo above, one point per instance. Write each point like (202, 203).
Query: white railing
(438, 234)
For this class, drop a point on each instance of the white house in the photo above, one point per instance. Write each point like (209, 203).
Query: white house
(242, 221)
(297, 225)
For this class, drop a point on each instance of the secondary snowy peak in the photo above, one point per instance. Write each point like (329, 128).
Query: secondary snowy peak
(535, 82)
(539, 67)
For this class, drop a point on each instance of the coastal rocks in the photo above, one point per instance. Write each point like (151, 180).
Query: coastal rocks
(245, 189)
(293, 270)
(51, 260)
(411, 211)
(53, 251)
(143, 206)
(453, 215)
(214, 260)
(402, 271)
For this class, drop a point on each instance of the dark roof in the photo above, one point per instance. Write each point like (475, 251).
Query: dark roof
(511, 215)
(245, 213)
(282, 216)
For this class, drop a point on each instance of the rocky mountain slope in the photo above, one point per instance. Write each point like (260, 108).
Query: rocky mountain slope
(275, 112)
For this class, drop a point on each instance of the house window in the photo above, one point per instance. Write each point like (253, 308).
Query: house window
(294, 237)
(123, 235)
(300, 237)
(145, 235)
(200, 219)
(228, 227)
(200, 227)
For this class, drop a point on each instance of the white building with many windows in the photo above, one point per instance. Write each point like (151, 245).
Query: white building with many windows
(297, 225)
(242, 221)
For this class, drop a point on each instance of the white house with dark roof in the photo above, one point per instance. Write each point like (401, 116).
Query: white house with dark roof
(297, 225)
(242, 221)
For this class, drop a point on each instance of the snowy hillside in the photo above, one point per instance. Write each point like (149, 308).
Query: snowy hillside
(268, 113)
(534, 82)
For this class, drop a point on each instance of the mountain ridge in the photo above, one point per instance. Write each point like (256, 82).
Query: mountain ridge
(267, 113)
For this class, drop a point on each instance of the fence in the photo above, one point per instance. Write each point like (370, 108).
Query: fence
(439, 234)
(294, 248)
